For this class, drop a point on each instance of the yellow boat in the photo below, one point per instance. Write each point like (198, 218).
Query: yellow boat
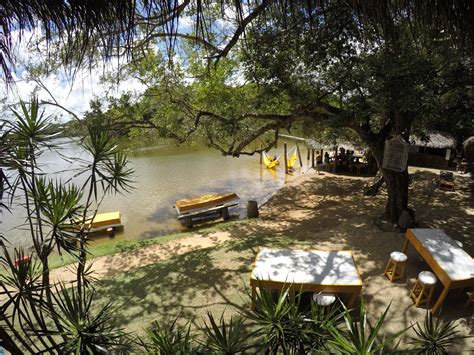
(199, 206)
(189, 205)
(102, 221)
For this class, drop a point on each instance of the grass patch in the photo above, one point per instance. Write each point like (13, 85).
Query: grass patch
(186, 286)
(122, 246)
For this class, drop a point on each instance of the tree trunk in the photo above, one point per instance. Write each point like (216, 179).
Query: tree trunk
(397, 188)
(397, 185)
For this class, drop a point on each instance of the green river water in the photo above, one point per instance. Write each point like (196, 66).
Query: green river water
(164, 173)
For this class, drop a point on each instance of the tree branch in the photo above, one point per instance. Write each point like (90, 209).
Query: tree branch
(241, 29)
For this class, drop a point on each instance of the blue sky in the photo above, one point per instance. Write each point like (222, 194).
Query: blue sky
(76, 95)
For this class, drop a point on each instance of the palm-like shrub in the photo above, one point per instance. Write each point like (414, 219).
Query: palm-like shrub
(434, 336)
(86, 331)
(225, 338)
(275, 319)
(357, 337)
(169, 339)
(36, 314)
(283, 323)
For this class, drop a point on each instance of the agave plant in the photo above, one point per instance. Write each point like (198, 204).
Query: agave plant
(225, 338)
(357, 337)
(169, 339)
(434, 336)
(320, 320)
(283, 325)
(83, 330)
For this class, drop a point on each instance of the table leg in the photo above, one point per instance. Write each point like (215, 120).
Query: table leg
(440, 300)
(254, 294)
(352, 299)
(405, 245)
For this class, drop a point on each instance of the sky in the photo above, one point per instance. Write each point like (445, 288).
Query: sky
(76, 95)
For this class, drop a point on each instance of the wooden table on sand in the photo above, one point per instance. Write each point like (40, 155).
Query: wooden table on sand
(306, 271)
(451, 264)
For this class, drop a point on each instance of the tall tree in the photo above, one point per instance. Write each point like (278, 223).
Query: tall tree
(322, 67)
(373, 66)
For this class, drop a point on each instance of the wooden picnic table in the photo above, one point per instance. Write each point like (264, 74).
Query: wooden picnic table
(306, 271)
(451, 264)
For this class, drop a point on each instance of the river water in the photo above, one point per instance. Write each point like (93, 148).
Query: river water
(163, 174)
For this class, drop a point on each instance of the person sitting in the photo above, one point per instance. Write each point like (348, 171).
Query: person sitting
(319, 162)
(326, 159)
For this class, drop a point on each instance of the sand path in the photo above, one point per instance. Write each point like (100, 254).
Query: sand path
(106, 266)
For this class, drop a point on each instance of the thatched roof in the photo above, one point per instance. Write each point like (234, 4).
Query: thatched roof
(87, 27)
(434, 139)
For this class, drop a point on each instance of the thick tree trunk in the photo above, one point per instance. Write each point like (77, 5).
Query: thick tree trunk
(397, 188)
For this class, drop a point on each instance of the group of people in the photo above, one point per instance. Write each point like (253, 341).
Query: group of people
(343, 161)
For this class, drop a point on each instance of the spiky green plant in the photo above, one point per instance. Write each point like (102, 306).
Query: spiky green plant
(225, 337)
(357, 337)
(85, 331)
(169, 339)
(283, 325)
(320, 320)
(31, 313)
(434, 336)
(270, 317)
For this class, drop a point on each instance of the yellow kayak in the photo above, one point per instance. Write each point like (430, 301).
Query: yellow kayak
(102, 220)
(205, 201)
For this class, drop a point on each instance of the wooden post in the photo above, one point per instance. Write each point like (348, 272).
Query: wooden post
(299, 155)
(286, 158)
(307, 156)
(312, 158)
(252, 209)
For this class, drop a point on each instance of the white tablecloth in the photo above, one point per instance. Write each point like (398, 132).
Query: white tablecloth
(457, 264)
(306, 267)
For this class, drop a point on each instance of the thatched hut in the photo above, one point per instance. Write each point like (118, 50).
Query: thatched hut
(436, 150)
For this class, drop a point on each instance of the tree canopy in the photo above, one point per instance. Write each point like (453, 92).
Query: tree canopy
(103, 28)
(380, 69)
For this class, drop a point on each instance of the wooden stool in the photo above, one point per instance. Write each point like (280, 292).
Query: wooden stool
(396, 266)
(423, 289)
(324, 299)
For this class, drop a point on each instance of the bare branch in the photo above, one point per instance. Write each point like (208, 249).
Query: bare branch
(241, 29)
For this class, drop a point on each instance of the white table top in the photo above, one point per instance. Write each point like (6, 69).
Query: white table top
(306, 267)
(457, 264)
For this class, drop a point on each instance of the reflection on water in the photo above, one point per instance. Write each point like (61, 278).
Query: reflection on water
(164, 174)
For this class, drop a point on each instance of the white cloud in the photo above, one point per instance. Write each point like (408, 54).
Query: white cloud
(74, 95)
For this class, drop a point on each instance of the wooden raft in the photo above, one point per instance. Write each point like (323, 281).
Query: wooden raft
(199, 206)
